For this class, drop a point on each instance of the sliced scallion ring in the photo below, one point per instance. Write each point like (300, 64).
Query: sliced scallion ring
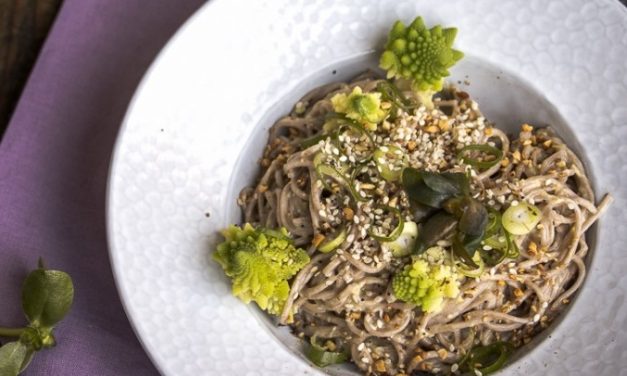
(361, 150)
(521, 219)
(491, 358)
(495, 249)
(360, 173)
(391, 93)
(470, 272)
(512, 249)
(313, 140)
(333, 243)
(395, 232)
(322, 357)
(324, 171)
(390, 162)
(404, 244)
(486, 149)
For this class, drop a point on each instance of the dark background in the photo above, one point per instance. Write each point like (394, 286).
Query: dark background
(24, 25)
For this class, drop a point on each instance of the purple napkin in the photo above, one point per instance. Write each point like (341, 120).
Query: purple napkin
(54, 161)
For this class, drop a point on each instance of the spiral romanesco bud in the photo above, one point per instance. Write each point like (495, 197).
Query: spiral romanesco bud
(419, 54)
(260, 263)
(365, 108)
(427, 281)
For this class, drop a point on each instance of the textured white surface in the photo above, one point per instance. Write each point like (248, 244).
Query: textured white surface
(234, 59)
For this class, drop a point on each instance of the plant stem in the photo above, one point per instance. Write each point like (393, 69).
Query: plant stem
(11, 332)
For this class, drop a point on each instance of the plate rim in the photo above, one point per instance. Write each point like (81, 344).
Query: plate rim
(115, 162)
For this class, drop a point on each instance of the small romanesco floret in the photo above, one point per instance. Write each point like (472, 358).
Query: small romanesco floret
(427, 281)
(365, 108)
(260, 263)
(420, 55)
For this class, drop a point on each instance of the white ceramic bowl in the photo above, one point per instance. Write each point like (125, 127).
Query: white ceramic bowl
(198, 122)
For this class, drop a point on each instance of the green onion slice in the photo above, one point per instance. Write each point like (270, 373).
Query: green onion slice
(404, 244)
(490, 151)
(521, 219)
(512, 249)
(393, 233)
(465, 246)
(348, 133)
(487, 359)
(499, 249)
(313, 140)
(361, 172)
(390, 162)
(326, 171)
(500, 243)
(494, 225)
(333, 243)
(321, 357)
(391, 93)
(472, 272)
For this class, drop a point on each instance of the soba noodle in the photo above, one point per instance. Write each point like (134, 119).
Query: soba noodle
(345, 295)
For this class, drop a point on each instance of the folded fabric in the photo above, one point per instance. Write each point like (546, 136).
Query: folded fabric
(54, 161)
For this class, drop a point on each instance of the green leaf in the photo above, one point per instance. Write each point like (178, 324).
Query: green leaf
(47, 296)
(474, 218)
(446, 183)
(27, 359)
(457, 55)
(12, 357)
(464, 247)
(398, 30)
(432, 189)
(437, 227)
(321, 357)
(449, 36)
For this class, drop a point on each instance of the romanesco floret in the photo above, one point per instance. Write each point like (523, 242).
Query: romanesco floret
(420, 55)
(427, 281)
(260, 263)
(363, 108)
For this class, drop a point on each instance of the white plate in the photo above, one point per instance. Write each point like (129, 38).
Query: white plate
(236, 65)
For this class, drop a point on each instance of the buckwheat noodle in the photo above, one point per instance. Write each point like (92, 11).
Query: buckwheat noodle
(345, 295)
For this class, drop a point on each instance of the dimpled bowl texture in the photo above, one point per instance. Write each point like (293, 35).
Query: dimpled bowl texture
(199, 121)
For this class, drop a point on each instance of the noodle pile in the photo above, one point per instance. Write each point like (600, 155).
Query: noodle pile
(345, 296)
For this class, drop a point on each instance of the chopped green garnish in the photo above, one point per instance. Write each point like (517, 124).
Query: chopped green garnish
(491, 156)
(427, 281)
(486, 360)
(390, 161)
(521, 218)
(322, 356)
(365, 108)
(260, 262)
(404, 244)
(334, 242)
(420, 55)
(392, 234)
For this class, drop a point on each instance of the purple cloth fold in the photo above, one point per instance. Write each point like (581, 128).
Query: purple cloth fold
(54, 160)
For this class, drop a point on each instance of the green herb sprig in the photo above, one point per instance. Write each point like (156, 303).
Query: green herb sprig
(47, 296)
